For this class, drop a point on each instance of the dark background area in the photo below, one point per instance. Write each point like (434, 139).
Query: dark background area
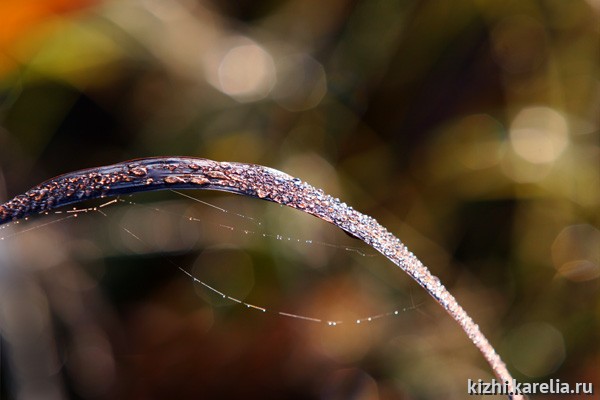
(467, 128)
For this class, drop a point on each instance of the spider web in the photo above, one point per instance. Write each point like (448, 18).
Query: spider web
(176, 227)
(234, 258)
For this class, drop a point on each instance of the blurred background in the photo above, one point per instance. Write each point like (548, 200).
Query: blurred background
(469, 128)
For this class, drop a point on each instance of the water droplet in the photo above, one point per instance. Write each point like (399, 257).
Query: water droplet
(199, 180)
(138, 171)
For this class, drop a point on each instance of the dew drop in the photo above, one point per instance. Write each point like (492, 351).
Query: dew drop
(138, 171)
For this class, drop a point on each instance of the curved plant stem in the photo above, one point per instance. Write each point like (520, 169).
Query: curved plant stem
(150, 174)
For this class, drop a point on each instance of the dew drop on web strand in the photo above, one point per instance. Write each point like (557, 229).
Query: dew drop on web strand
(327, 322)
